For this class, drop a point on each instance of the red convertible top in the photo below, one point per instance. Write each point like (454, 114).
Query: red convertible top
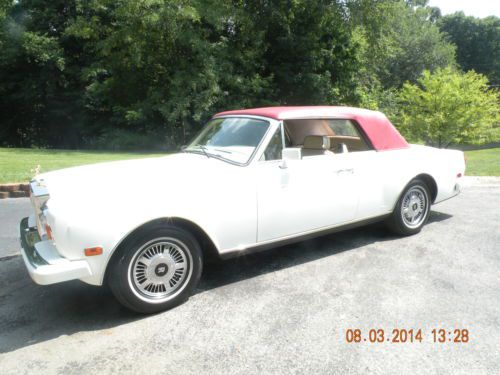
(382, 134)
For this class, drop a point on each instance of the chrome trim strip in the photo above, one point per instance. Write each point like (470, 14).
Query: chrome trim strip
(298, 237)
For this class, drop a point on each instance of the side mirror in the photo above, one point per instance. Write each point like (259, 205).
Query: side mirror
(283, 164)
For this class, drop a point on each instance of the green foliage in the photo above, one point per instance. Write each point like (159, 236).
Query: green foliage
(91, 73)
(39, 87)
(122, 74)
(447, 107)
(309, 54)
(152, 65)
(477, 41)
(398, 41)
(176, 62)
(121, 139)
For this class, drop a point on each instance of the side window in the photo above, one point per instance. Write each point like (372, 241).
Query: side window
(344, 127)
(274, 148)
(346, 137)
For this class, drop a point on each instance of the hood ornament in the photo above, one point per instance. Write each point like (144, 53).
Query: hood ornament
(36, 170)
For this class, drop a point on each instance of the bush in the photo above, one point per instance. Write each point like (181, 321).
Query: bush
(447, 107)
(119, 139)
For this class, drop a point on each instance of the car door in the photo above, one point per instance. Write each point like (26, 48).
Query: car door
(299, 196)
(372, 169)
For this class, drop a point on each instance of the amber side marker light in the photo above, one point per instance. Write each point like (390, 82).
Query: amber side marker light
(48, 231)
(91, 251)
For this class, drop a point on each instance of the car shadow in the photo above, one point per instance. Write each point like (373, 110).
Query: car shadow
(436, 217)
(30, 313)
(219, 273)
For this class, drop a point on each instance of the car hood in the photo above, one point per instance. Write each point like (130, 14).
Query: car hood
(129, 182)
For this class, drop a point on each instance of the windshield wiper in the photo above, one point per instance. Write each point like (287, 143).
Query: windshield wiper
(225, 151)
(204, 149)
(208, 154)
(198, 147)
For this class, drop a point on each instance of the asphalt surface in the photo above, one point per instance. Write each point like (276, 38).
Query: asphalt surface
(283, 311)
(11, 213)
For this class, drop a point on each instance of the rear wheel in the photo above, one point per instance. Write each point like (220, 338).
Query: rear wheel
(157, 270)
(412, 209)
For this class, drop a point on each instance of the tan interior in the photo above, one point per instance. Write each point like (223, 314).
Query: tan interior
(352, 143)
(298, 130)
(316, 145)
(317, 137)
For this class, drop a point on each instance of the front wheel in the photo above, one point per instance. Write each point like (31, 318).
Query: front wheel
(412, 209)
(156, 270)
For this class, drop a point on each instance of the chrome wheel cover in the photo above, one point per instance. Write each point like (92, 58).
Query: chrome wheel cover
(414, 207)
(160, 270)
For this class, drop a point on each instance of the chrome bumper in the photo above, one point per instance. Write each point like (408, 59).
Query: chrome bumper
(42, 259)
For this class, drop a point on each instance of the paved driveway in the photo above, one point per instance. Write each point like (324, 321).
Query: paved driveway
(283, 311)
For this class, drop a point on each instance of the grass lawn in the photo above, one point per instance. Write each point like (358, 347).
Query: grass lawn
(16, 163)
(483, 162)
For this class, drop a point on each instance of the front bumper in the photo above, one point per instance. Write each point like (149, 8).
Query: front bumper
(42, 259)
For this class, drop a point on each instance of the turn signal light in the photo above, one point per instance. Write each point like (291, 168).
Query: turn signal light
(91, 251)
(48, 231)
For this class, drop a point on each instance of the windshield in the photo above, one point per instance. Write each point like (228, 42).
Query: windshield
(231, 138)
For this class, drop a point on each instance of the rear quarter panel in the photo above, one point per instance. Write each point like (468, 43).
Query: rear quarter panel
(401, 166)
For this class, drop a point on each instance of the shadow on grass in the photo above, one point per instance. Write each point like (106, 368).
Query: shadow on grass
(30, 313)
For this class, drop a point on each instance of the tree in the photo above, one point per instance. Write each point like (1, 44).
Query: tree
(477, 41)
(163, 67)
(401, 41)
(309, 54)
(40, 86)
(143, 74)
(449, 107)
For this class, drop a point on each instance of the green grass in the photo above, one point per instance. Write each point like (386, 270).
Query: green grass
(483, 162)
(16, 163)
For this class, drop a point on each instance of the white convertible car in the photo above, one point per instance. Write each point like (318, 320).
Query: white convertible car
(252, 179)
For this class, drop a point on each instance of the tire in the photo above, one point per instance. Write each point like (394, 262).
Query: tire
(156, 270)
(412, 209)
